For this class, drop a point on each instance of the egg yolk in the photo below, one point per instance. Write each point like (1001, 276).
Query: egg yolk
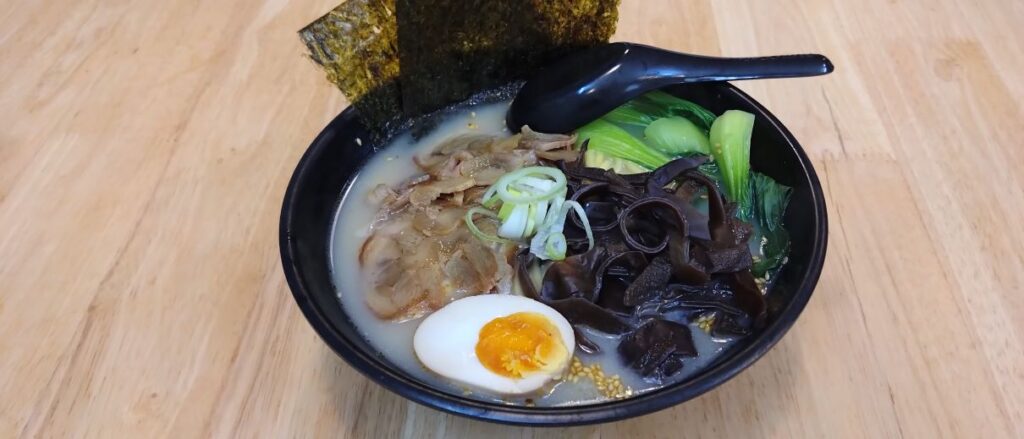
(519, 344)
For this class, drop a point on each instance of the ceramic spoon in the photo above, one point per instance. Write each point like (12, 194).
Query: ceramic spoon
(582, 87)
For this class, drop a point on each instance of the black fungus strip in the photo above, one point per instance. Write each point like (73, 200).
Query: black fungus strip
(580, 311)
(668, 173)
(716, 208)
(650, 282)
(656, 348)
(602, 215)
(748, 297)
(658, 264)
(683, 267)
(585, 343)
(575, 309)
(646, 206)
(575, 276)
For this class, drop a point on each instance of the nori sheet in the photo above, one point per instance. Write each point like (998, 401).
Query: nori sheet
(357, 45)
(449, 49)
(387, 56)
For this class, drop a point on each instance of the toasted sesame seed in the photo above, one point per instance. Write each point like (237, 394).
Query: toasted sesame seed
(609, 386)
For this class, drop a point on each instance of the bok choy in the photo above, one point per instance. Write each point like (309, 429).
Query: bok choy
(676, 136)
(671, 105)
(597, 159)
(605, 137)
(730, 146)
(770, 200)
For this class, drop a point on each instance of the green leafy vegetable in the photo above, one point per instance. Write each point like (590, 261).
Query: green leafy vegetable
(597, 159)
(636, 113)
(770, 200)
(609, 139)
(730, 146)
(640, 112)
(710, 169)
(669, 104)
(676, 136)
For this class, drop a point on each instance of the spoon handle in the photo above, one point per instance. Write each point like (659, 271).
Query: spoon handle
(677, 67)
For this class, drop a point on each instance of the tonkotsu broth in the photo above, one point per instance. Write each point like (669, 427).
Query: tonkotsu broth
(394, 340)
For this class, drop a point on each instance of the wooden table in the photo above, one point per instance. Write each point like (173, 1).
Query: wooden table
(146, 147)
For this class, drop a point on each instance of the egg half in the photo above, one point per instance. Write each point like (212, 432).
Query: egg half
(506, 344)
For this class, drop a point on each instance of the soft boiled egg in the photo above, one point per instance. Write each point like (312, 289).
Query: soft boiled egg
(503, 343)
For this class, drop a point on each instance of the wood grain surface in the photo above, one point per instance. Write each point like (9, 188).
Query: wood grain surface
(145, 147)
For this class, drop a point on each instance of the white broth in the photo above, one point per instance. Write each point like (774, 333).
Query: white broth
(394, 340)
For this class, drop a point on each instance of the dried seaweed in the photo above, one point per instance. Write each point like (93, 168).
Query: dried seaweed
(387, 56)
(451, 48)
(357, 45)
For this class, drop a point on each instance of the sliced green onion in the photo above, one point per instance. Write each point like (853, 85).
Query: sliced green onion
(533, 184)
(489, 200)
(553, 225)
(583, 219)
(556, 246)
(532, 203)
(503, 192)
(505, 211)
(476, 230)
(556, 207)
(540, 213)
(514, 227)
(531, 224)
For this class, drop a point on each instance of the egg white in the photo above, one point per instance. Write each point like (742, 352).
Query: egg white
(445, 341)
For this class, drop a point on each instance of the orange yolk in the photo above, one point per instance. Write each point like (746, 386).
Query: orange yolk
(519, 344)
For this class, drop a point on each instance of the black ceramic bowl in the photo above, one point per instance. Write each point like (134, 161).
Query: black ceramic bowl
(329, 164)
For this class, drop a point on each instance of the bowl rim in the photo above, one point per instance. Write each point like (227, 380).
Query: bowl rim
(416, 391)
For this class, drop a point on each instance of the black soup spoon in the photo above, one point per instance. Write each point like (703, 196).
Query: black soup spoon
(582, 87)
